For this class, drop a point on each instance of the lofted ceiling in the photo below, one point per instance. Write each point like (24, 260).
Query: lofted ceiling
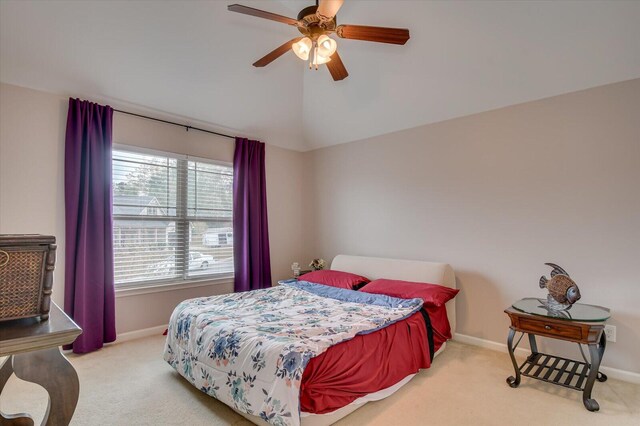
(193, 59)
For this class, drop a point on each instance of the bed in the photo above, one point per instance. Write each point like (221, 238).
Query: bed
(313, 355)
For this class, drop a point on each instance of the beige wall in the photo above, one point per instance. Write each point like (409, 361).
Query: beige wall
(32, 128)
(496, 195)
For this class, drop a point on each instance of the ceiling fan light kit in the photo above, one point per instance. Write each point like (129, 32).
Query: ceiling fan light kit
(322, 50)
(316, 23)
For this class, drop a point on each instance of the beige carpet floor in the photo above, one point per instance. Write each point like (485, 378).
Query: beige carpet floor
(130, 384)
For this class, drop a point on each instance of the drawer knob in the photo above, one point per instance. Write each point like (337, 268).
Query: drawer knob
(547, 327)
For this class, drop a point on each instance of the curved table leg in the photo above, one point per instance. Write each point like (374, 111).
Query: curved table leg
(596, 351)
(21, 419)
(513, 381)
(51, 369)
(532, 344)
(5, 372)
(603, 345)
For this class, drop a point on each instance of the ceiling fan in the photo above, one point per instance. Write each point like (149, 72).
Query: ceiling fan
(316, 23)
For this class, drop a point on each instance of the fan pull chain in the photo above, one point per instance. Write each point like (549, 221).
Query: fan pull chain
(314, 56)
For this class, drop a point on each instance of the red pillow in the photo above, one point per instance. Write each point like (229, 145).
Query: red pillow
(335, 279)
(432, 294)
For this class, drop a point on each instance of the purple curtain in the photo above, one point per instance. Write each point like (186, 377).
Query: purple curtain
(89, 294)
(250, 230)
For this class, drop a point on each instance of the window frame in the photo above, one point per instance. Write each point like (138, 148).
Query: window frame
(183, 281)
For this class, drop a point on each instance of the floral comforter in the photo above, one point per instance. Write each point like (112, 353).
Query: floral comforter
(249, 350)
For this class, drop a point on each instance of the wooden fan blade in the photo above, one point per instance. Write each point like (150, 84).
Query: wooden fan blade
(261, 14)
(327, 9)
(376, 34)
(337, 68)
(276, 53)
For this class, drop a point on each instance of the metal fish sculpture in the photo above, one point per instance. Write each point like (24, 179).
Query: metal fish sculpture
(563, 291)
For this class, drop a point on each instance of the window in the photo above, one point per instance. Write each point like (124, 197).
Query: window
(171, 217)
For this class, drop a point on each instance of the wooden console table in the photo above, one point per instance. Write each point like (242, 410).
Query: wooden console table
(33, 348)
(581, 324)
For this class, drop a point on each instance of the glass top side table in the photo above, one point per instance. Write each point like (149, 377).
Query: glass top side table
(581, 324)
(576, 312)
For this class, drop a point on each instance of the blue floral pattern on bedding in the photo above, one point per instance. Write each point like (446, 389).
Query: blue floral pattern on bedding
(249, 350)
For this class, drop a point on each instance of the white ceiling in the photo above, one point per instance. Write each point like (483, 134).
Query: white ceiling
(193, 59)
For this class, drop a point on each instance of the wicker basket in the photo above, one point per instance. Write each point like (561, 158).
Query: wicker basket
(26, 275)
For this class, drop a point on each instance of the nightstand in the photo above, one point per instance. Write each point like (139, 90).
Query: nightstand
(302, 273)
(581, 324)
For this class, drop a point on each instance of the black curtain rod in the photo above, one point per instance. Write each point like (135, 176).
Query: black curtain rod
(187, 127)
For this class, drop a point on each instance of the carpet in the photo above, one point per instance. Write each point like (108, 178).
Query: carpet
(129, 384)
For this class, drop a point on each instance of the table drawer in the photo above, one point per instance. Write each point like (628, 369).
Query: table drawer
(551, 328)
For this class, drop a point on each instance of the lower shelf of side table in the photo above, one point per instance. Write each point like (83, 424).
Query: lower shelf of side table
(560, 371)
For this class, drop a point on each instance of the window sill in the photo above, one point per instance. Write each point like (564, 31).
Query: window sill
(171, 286)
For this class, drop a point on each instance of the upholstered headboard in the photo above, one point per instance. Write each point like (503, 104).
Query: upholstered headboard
(407, 270)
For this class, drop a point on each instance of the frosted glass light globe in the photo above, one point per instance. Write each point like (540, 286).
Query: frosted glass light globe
(326, 46)
(302, 48)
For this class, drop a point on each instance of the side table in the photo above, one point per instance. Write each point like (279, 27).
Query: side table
(34, 356)
(581, 324)
(306, 271)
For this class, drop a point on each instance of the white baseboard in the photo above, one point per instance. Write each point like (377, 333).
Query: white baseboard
(624, 375)
(614, 373)
(138, 334)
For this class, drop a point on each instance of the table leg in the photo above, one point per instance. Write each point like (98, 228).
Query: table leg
(513, 381)
(532, 344)
(21, 419)
(5, 372)
(51, 369)
(603, 345)
(596, 352)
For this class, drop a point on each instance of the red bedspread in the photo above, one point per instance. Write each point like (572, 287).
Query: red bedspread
(371, 362)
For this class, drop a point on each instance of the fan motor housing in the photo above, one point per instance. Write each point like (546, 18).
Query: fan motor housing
(312, 24)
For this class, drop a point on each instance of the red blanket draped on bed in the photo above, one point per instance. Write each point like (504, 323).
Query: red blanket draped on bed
(369, 363)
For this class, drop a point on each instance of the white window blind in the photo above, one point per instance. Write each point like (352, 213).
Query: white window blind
(172, 217)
